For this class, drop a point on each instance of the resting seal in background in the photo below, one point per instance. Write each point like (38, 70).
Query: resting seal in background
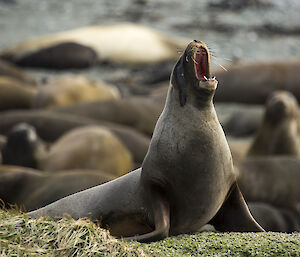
(14, 95)
(275, 219)
(50, 126)
(279, 133)
(83, 47)
(138, 112)
(269, 179)
(187, 178)
(253, 83)
(30, 189)
(88, 147)
(66, 90)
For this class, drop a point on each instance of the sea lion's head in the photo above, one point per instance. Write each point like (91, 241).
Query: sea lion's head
(280, 105)
(191, 74)
(22, 146)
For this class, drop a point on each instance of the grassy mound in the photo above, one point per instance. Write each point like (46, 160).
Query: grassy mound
(22, 236)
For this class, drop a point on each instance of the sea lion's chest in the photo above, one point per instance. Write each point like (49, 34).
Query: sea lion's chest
(190, 157)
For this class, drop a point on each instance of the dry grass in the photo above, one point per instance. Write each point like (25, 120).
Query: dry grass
(23, 236)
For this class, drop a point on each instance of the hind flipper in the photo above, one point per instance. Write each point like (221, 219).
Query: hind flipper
(234, 215)
(161, 215)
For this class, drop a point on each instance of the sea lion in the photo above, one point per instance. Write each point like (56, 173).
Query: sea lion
(269, 179)
(237, 119)
(187, 178)
(275, 219)
(88, 147)
(14, 95)
(279, 133)
(128, 49)
(253, 83)
(31, 189)
(50, 126)
(23, 147)
(67, 90)
(138, 112)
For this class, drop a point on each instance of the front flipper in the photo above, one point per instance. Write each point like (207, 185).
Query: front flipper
(161, 213)
(234, 215)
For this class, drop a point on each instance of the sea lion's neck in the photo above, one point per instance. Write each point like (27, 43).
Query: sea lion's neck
(194, 101)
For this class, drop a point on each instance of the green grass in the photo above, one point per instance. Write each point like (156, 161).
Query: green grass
(22, 236)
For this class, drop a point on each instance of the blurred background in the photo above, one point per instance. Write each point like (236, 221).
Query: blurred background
(247, 30)
(83, 82)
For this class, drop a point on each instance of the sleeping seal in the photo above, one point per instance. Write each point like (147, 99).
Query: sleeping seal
(187, 178)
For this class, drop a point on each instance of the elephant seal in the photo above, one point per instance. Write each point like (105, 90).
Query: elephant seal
(30, 189)
(279, 133)
(187, 178)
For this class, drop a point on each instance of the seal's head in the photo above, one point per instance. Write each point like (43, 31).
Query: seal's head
(280, 105)
(22, 146)
(192, 73)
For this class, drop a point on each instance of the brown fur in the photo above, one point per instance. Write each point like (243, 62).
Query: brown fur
(279, 133)
(50, 126)
(88, 147)
(138, 112)
(64, 55)
(13, 95)
(275, 219)
(253, 83)
(31, 189)
(273, 180)
(67, 90)
(13, 72)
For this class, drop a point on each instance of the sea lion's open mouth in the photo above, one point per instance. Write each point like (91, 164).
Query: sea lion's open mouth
(201, 64)
(201, 67)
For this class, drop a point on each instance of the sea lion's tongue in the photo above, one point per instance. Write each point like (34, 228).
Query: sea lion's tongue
(201, 64)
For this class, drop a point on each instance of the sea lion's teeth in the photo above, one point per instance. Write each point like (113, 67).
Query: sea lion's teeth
(205, 77)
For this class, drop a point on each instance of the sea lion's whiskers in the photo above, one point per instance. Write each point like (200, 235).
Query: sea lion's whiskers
(219, 64)
(224, 58)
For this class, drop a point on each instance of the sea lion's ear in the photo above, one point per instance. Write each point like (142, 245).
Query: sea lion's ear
(179, 80)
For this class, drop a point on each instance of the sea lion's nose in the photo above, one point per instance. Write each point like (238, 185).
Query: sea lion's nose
(197, 41)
